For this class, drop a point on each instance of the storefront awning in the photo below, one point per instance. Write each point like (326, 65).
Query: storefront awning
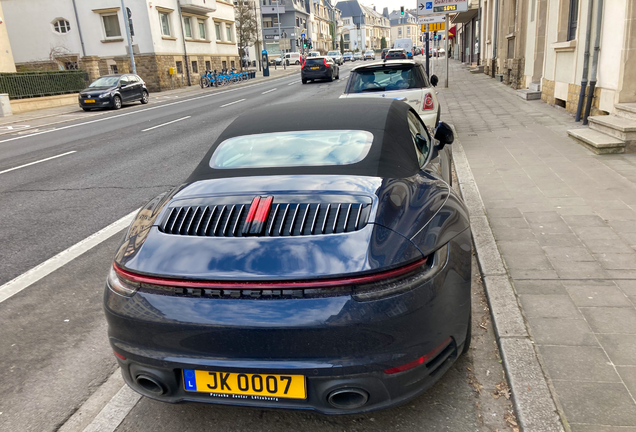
(464, 17)
(452, 32)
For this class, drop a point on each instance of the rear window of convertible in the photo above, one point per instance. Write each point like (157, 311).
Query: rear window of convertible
(290, 149)
(394, 77)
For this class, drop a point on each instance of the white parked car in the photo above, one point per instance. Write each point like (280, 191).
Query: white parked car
(290, 58)
(398, 79)
(336, 56)
(369, 55)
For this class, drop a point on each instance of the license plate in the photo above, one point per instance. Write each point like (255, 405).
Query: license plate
(315, 67)
(89, 101)
(244, 384)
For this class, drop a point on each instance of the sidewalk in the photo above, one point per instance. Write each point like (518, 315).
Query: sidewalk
(32, 118)
(564, 221)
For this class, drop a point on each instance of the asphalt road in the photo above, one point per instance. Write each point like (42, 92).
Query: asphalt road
(55, 353)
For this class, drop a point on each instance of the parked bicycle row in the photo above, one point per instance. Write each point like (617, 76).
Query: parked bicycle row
(225, 77)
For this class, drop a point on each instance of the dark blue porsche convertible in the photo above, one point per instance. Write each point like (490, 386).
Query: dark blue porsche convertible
(317, 261)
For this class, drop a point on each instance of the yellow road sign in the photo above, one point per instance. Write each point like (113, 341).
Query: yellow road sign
(434, 26)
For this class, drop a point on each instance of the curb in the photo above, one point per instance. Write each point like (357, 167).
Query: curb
(535, 407)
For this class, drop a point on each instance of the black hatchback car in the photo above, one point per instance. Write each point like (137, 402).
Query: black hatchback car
(319, 68)
(321, 264)
(112, 91)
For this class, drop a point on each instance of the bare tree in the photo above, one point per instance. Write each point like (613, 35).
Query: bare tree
(246, 25)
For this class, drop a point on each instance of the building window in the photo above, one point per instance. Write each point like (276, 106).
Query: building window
(228, 32)
(164, 18)
(346, 46)
(232, 64)
(217, 28)
(202, 32)
(70, 66)
(195, 67)
(573, 19)
(61, 26)
(111, 26)
(179, 67)
(399, 32)
(224, 65)
(187, 28)
(113, 69)
(297, 22)
(346, 36)
(207, 65)
(408, 31)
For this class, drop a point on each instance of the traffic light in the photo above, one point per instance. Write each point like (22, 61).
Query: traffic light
(435, 35)
(304, 43)
(402, 10)
(297, 43)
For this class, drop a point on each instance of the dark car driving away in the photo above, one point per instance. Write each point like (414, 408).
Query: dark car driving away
(324, 266)
(319, 68)
(396, 54)
(112, 91)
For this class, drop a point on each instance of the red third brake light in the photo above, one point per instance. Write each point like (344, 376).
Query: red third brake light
(428, 102)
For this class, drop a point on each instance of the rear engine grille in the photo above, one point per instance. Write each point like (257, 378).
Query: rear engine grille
(284, 219)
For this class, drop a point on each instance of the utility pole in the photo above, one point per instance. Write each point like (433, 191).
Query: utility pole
(446, 49)
(124, 12)
(258, 42)
(185, 51)
(280, 36)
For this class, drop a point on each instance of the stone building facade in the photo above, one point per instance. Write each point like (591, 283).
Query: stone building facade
(188, 40)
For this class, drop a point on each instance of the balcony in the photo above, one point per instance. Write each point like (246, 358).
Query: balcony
(198, 6)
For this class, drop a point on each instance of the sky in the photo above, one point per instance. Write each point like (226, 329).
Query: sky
(391, 4)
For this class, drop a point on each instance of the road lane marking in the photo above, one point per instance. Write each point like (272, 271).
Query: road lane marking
(269, 91)
(27, 279)
(146, 109)
(13, 127)
(292, 83)
(165, 124)
(37, 162)
(232, 103)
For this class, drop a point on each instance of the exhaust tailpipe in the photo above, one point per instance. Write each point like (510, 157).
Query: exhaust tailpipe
(348, 398)
(150, 384)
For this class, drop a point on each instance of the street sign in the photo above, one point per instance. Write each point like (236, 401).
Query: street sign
(430, 19)
(430, 7)
(435, 27)
(302, 35)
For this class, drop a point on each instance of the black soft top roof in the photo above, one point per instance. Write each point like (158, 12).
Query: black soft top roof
(392, 153)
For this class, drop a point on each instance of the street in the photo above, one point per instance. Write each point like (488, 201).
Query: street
(64, 183)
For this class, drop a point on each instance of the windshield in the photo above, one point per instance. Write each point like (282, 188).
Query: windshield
(288, 149)
(333, 53)
(399, 77)
(107, 81)
(348, 53)
(369, 52)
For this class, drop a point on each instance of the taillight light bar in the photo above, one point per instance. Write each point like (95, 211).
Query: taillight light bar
(428, 102)
(324, 283)
(324, 60)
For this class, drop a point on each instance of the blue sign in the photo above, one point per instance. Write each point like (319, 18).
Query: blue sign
(302, 35)
(190, 381)
(429, 5)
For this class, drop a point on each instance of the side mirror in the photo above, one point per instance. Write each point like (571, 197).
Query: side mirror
(422, 143)
(444, 134)
(434, 80)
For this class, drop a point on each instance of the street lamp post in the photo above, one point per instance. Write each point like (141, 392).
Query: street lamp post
(280, 36)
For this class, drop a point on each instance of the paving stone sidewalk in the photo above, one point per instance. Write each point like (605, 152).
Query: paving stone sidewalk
(565, 223)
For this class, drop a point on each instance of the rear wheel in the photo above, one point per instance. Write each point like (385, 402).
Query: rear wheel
(330, 79)
(297, 62)
(304, 80)
(86, 109)
(116, 102)
(144, 97)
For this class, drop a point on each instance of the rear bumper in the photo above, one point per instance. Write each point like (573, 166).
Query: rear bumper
(336, 342)
(315, 75)
(99, 103)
